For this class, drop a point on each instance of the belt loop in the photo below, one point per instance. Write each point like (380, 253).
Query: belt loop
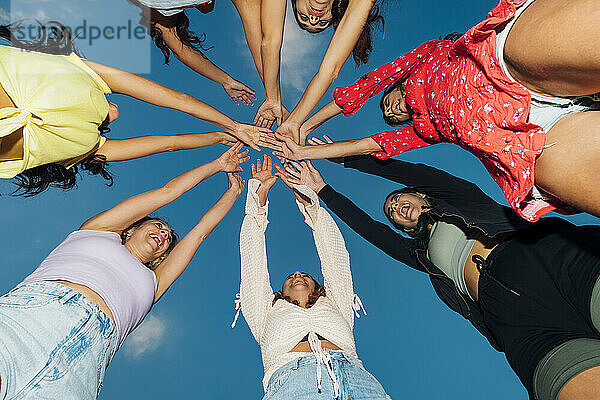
(68, 296)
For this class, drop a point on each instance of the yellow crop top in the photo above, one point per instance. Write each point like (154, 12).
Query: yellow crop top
(60, 103)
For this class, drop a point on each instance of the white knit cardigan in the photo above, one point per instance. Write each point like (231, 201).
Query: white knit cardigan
(278, 328)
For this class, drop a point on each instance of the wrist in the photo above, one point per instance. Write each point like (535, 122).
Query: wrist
(318, 187)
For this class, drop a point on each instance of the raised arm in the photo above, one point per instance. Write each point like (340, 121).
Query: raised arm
(198, 62)
(377, 233)
(142, 146)
(256, 294)
(179, 258)
(143, 89)
(119, 217)
(324, 114)
(341, 45)
(331, 247)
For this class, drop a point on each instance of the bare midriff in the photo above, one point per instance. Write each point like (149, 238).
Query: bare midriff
(304, 347)
(11, 146)
(482, 247)
(89, 294)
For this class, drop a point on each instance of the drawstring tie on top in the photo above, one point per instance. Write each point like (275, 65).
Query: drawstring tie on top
(323, 357)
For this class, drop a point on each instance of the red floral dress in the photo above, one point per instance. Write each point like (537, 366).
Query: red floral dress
(459, 94)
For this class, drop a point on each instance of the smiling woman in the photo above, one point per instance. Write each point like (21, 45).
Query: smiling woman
(305, 329)
(61, 326)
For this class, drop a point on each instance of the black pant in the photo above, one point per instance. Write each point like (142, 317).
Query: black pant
(535, 291)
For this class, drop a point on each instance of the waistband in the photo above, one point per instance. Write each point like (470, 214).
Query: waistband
(65, 294)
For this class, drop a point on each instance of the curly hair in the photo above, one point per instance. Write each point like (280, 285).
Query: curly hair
(364, 45)
(181, 23)
(174, 238)
(55, 39)
(312, 297)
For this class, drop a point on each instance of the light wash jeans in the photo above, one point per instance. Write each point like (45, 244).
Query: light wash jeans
(54, 344)
(298, 380)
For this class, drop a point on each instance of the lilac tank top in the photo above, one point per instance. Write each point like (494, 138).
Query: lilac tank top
(98, 260)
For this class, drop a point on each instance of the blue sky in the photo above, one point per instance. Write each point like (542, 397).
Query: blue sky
(186, 348)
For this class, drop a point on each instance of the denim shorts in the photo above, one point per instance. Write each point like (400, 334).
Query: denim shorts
(298, 380)
(54, 343)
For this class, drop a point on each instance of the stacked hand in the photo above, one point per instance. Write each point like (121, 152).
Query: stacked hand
(301, 173)
(250, 134)
(230, 160)
(238, 91)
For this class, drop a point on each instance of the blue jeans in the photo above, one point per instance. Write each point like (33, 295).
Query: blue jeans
(54, 343)
(298, 380)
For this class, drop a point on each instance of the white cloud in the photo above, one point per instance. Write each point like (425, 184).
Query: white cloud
(300, 55)
(147, 337)
(4, 17)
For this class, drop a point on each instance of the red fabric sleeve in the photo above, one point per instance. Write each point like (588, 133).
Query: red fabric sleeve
(397, 141)
(351, 98)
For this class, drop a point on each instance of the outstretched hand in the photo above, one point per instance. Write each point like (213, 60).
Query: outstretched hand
(263, 173)
(236, 183)
(230, 160)
(315, 141)
(301, 173)
(239, 92)
(250, 134)
(268, 113)
(283, 146)
(289, 129)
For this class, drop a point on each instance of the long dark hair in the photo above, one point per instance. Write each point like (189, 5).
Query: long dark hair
(364, 44)
(181, 23)
(55, 39)
(421, 231)
(454, 36)
(312, 298)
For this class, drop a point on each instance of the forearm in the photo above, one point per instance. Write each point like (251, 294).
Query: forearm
(142, 146)
(340, 149)
(143, 89)
(270, 51)
(312, 95)
(327, 112)
(188, 180)
(199, 63)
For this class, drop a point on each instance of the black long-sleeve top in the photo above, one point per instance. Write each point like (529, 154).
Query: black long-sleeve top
(454, 198)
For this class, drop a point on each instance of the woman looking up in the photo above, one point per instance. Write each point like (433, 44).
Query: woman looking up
(532, 289)
(62, 325)
(508, 102)
(305, 329)
(43, 135)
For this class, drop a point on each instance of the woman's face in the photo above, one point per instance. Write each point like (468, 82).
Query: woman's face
(314, 15)
(150, 240)
(395, 107)
(405, 208)
(113, 112)
(298, 286)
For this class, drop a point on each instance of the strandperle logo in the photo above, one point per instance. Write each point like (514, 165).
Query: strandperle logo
(87, 32)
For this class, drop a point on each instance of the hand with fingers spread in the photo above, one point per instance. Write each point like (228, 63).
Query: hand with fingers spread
(285, 147)
(239, 92)
(301, 173)
(236, 183)
(263, 173)
(290, 129)
(230, 160)
(268, 113)
(250, 134)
